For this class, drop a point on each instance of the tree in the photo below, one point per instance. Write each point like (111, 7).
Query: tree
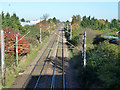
(12, 22)
(7, 15)
(76, 19)
(114, 24)
(50, 20)
(84, 22)
(73, 19)
(54, 20)
(67, 21)
(45, 16)
(22, 20)
(106, 21)
(2, 15)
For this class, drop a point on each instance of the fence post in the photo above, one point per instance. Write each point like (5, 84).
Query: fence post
(40, 33)
(71, 32)
(2, 58)
(84, 52)
(17, 49)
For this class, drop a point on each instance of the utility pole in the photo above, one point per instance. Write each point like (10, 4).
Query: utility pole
(82, 45)
(40, 33)
(49, 28)
(67, 27)
(2, 58)
(84, 52)
(71, 32)
(17, 49)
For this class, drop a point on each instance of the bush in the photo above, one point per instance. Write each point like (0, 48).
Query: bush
(102, 66)
(10, 40)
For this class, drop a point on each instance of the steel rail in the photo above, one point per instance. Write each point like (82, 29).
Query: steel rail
(54, 66)
(44, 65)
(63, 61)
(35, 66)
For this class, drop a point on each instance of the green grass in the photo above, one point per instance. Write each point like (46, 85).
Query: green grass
(12, 73)
(71, 54)
(32, 55)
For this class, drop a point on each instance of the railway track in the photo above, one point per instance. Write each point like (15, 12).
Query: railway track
(49, 70)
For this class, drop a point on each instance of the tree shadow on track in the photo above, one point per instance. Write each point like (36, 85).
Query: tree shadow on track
(45, 82)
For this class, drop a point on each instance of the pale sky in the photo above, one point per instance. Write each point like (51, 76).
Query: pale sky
(64, 10)
(59, 0)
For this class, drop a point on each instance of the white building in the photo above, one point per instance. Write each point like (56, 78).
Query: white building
(32, 22)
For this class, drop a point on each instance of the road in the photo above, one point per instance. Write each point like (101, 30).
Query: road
(51, 68)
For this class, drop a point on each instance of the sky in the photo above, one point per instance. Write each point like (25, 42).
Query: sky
(61, 10)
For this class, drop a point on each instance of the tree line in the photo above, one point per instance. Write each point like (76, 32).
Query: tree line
(11, 22)
(96, 24)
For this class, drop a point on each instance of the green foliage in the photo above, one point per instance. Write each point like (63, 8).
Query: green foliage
(50, 20)
(97, 25)
(76, 19)
(115, 29)
(114, 24)
(12, 22)
(92, 23)
(102, 66)
(75, 36)
(9, 59)
(67, 21)
(22, 20)
(54, 20)
(75, 40)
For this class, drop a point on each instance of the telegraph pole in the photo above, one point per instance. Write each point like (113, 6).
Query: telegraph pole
(82, 45)
(49, 28)
(40, 33)
(2, 58)
(17, 49)
(67, 27)
(71, 32)
(84, 52)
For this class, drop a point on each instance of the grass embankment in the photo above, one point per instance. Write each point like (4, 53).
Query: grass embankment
(14, 72)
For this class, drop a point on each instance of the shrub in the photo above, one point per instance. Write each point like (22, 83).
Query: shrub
(102, 66)
(10, 40)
